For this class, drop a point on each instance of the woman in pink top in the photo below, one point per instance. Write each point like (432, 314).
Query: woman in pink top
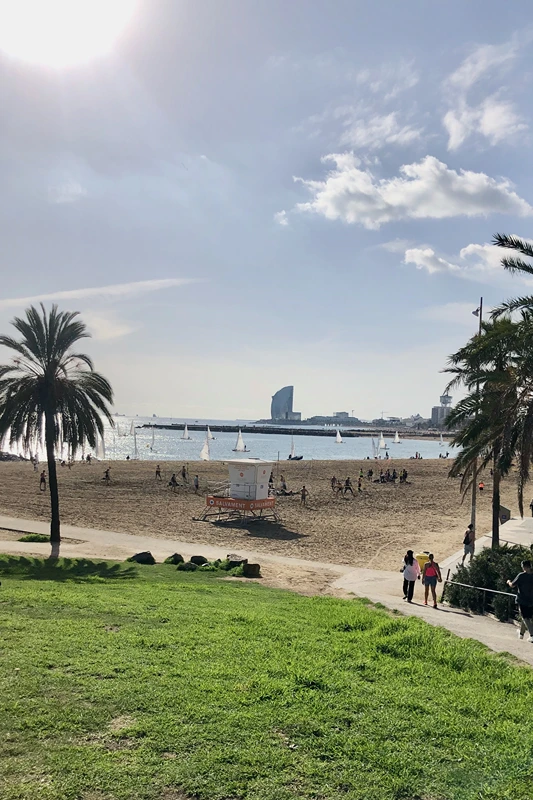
(411, 571)
(430, 576)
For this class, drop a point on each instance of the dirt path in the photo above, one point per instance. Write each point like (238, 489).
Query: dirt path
(306, 577)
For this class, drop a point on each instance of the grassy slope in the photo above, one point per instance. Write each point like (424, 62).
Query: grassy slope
(121, 687)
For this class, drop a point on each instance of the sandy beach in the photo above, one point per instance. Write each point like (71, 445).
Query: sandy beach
(372, 529)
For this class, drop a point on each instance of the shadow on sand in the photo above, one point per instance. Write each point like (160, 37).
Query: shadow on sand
(263, 530)
(63, 569)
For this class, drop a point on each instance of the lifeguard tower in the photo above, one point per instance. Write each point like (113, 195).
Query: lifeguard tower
(247, 498)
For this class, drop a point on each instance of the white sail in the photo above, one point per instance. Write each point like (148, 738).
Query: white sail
(375, 448)
(396, 438)
(135, 453)
(209, 434)
(103, 447)
(382, 444)
(240, 447)
(441, 441)
(338, 438)
(204, 453)
(186, 433)
(132, 428)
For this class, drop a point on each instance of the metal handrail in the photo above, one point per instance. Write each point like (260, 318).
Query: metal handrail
(479, 589)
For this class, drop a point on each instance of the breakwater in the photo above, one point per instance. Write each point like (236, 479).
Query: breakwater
(347, 433)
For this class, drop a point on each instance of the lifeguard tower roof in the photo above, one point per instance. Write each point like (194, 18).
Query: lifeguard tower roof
(248, 461)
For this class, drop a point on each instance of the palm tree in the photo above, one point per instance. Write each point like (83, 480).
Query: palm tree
(495, 419)
(49, 391)
(515, 265)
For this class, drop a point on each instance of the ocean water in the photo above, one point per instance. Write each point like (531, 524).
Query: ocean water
(168, 445)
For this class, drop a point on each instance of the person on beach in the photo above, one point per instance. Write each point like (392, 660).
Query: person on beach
(196, 484)
(184, 474)
(469, 542)
(334, 486)
(304, 494)
(481, 486)
(271, 481)
(531, 507)
(430, 576)
(158, 473)
(173, 482)
(348, 486)
(411, 573)
(524, 584)
(360, 485)
(107, 476)
(42, 481)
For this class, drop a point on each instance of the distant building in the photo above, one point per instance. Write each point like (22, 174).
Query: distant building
(281, 406)
(341, 415)
(440, 413)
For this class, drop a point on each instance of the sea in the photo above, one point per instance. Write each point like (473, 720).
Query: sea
(169, 446)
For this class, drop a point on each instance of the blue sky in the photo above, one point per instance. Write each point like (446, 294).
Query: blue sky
(278, 192)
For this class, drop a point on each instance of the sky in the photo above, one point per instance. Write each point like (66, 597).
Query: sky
(239, 196)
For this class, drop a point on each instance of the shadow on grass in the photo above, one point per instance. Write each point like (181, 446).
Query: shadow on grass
(63, 569)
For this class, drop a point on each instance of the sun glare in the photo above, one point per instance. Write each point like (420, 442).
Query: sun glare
(61, 33)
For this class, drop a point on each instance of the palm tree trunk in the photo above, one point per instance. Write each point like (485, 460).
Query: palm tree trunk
(496, 505)
(55, 535)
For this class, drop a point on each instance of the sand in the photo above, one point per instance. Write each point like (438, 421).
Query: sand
(372, 529)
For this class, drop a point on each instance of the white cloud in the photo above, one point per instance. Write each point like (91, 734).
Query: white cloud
(493, 118)
(106, 326)
(281, 218)
(426, 258)
(389, 80)
(427, 189)
(67, 192)
(481, 61)
(479, 262)
(116, 290)
(378, 131)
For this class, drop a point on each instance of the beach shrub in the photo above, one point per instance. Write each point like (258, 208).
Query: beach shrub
(187, 566)
(489, 569)
(175, 558)
(35, 537)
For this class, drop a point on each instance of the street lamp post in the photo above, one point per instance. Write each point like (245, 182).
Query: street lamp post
(478, 313)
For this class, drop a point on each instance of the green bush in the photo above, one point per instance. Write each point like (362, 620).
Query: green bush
(34, 537)
(489, 569)
(187, 566)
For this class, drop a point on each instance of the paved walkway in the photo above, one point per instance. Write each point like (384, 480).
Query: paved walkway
(377, 585)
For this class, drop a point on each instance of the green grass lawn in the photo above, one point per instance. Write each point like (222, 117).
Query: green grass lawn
(144, 682)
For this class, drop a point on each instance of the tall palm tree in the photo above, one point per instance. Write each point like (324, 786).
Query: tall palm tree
(515, 265)
(51, 392)
(495, 419)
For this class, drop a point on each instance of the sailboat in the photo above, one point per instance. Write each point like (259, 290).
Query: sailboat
(204, 452)
(382, 443)
(396, 439)
(132, 428)
(441, 443)
(292, 456)
(209, 434)
(153, 440)
(338, 438)
(186, 433)
(375, 448)
(240, 447)
(135, 451)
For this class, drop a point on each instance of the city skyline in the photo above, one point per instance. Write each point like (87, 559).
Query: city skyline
(236, 207)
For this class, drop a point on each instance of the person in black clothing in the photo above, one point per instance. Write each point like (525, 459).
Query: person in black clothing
(524, 583)
(348, 486)
(158, 473)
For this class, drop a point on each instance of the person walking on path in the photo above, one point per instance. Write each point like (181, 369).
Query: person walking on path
(304, 494)
(158, 473)
(524, 584)
(42, 481)
(469, 543)
(411, 572)
(430, 576)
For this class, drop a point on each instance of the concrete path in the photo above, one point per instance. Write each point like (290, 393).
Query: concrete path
(377, 585)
